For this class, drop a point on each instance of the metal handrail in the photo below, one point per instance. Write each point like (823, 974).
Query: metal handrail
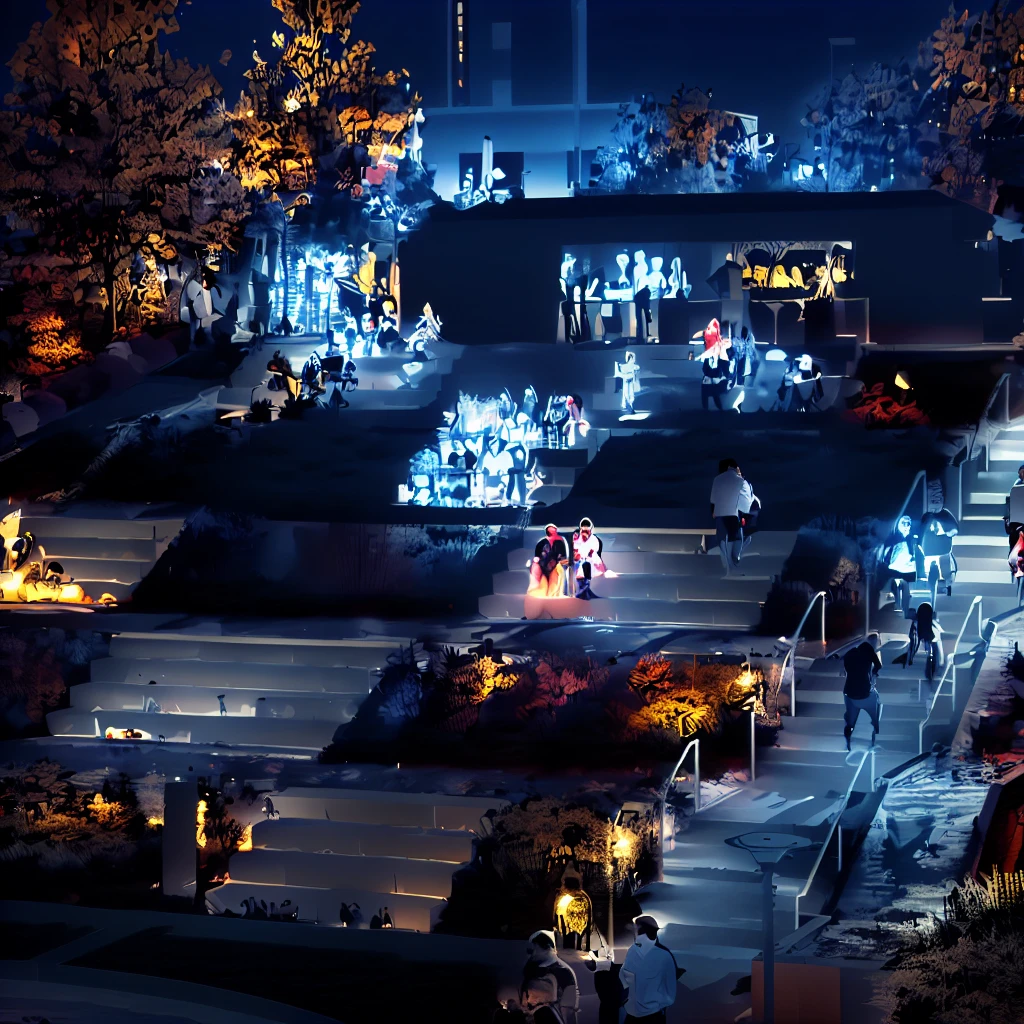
(921, 477)
(694, 744)
(835, 824)
(796, 642)
(950, 667)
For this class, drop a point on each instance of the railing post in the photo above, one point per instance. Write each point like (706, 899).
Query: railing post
(696, 778)
(753, 733)
(792, 685)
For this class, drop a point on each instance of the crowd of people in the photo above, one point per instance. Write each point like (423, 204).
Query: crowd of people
(485, 455)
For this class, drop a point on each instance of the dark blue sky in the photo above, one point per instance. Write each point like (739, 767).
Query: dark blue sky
(763, 57)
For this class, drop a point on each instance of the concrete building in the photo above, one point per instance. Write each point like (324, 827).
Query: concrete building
(544, 128)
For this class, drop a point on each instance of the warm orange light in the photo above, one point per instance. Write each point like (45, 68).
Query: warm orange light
(201, 823)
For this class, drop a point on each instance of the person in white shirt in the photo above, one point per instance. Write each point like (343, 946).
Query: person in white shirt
(900, 560)
(586, 551)
(649, 975)
(729, 493)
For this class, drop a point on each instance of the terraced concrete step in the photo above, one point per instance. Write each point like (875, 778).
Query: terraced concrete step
(211, 729)
(226, 675)
(828, 690)
(332, 870)
(732, 614)
(121, 548)
(893, 710)
(102, 569)
(194, 700)
(671, 563)
(51, 529)
(661, 587)
(361, 839)
(414, 913)
(266, 650)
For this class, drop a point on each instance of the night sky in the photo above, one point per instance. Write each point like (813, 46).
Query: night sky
(761, 58)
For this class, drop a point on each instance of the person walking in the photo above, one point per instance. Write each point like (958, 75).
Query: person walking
(900, 561)
(649, 975)
(859, 693)
(729, 491)
(1013, 517)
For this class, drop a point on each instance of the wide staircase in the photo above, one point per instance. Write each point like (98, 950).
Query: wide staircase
(279, 693)
(378, 849)
(105, 548)
(807, 784)
(661, 576)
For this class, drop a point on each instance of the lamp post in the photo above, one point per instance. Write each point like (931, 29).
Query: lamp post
(767, 849)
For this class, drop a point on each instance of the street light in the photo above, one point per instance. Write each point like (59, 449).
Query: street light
(767, 849)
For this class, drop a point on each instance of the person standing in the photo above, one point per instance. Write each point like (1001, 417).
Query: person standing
(546, 980)
(728, 491)
(223, 706)
(649, 975)
(718, 366)
(859, 693)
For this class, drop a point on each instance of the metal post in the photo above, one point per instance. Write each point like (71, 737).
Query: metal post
(611, 913)
(696, 778)
(823, 620)
(768, 944)
(792, 686)
(839, 832)
(867, 606)
(753, 760)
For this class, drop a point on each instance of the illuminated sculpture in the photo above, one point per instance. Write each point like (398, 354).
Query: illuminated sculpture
(639, 271)
(428, 327)
(622, 290)
(677, 280)
(629, 373)
(547, 569)
(587, 550)
(574, 913)
(656, 278)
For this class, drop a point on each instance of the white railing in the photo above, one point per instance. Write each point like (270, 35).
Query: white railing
(832, 830)
(951, 668)
(790, 658)
(693, 745)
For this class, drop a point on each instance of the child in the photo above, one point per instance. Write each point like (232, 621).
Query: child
(925, 632)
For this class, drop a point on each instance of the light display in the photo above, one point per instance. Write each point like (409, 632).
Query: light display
(645, 290)
(485, 455)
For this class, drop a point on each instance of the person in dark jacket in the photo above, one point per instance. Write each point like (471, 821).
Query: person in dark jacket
(859, 694)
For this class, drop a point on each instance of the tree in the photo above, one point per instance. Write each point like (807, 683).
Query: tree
(112, 146)
(976, 104)
(317, 117)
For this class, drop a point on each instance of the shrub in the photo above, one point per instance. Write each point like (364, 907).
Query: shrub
(260, 411)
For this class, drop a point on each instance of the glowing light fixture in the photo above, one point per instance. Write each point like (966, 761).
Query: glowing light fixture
(903, 380)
